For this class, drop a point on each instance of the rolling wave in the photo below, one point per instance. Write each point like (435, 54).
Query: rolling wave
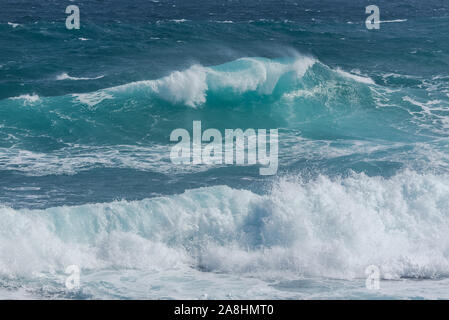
(306, 98)
(321, 227)
(192, 86)
(241, 85)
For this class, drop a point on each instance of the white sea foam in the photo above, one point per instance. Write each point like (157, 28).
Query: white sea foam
(355, 77)
(187, 87)
(27, 98)
(94, 98)
(393, 21)
(324, 227)
(14, 25)
(80, 158)
(179, 20)
(66, 76)
(425, 106)
(190, 86)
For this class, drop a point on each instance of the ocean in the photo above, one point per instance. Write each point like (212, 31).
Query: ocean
(87, 182)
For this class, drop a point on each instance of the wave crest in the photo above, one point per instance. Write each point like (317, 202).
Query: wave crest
(322, 227)
(191, 86)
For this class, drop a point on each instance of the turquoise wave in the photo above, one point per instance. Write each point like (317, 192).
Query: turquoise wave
(300, 93)
(318, 228)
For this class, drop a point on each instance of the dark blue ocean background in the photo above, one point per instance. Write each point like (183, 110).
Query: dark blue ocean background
(86, 178)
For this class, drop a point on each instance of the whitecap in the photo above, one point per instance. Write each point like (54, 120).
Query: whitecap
(357, 78)
(393, 21)
(27, 98)
(92, 99)
(66, 76)
(14, 25)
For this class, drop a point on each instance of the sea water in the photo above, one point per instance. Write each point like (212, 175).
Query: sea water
(86, 177)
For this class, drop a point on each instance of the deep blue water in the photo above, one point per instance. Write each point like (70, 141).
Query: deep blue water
(86, 177)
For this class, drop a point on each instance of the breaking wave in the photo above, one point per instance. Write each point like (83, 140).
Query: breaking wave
(321, 227)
